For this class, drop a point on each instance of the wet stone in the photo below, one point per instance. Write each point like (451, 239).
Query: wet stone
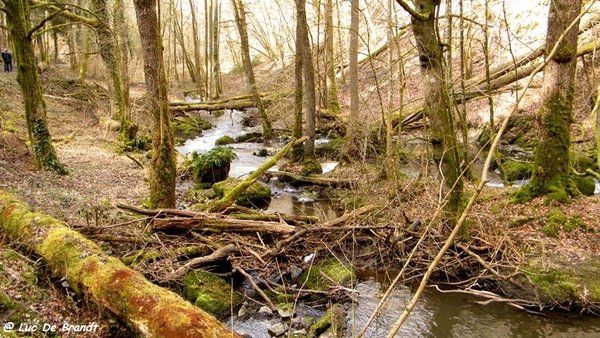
(295, 272)
(264, 310)
(277, 329)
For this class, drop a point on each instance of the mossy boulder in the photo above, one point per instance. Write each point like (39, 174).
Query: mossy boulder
(209, 292)
(561, 281)
(585, 184)
(338, 271)
(249, 137)
(213, 166)
(224, 140)
(188, 127)
(517, 170)
(330, 150)
(582, 162)
(257, 194)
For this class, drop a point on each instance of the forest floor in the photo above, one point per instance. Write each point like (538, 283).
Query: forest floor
(101, 176)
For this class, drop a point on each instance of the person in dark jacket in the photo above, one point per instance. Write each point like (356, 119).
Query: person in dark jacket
(7, 58)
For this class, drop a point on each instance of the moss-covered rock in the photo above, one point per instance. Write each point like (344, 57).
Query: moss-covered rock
(188, 127)
(249, 137)
(213, 166)
(517, 170)
(582, 162)
(224, 140)
(585, 184)
(339, 272)
(209, 292)
(330, 150)
(557, 280)
(257, 194)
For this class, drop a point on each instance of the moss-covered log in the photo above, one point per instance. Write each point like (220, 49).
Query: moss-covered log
(221, 224)
(149, 309)
(310, 180)
(228, 199)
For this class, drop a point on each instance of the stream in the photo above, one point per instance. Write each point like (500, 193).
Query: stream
(436, 315)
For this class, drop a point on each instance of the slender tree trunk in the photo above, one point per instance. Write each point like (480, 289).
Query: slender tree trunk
(352, 147)
(309, 78)
(44, 155)
(163, 170)
(240, 20)
(111, 56)
(85, 57)
(197, 68)
(297, 130)
(331, 99)
(437, 102)
(551, 175)
(216, 64)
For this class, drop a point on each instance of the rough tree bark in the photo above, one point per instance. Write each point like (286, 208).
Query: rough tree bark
(551, 176)
(437, 101)
(149, 309)
(163, 169)
(44, 155)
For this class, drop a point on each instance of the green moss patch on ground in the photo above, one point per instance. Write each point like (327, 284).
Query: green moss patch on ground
(209, 292)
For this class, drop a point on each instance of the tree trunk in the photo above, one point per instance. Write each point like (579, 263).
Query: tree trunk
(151, 310)
(44, 155)
(437, 102)
(309, 78)
(331, 99)
(111, 55)
(163, 170)
(351, 147)
(297, 129)
(240, 20)
(551, 176)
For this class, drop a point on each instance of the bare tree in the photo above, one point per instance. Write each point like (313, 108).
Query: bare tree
(240, 20)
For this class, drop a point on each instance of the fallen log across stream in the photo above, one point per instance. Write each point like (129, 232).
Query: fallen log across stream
(147, 308)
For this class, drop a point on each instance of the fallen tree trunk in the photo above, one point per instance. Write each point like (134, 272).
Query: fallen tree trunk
(237, 212)
(214, 224)
(310, 180)
(479, 89)
(149, 309)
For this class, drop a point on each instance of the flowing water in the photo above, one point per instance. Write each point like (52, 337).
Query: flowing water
(436, 315)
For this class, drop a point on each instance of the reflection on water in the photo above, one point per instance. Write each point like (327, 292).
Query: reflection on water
(457, 315)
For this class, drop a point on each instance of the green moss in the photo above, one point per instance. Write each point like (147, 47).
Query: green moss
(209, 292)
(564, 54)
(517, 171)
(310, 166)
(585, 185)
(557, 221)
(188, 128)
(224, 140)
(257, 194)
(341, 273)
(330, 150)
(249, 137)
(213, 166)
(559, 281)
(582, 162)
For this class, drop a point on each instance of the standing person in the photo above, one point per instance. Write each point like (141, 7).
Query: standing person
(7, 58)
